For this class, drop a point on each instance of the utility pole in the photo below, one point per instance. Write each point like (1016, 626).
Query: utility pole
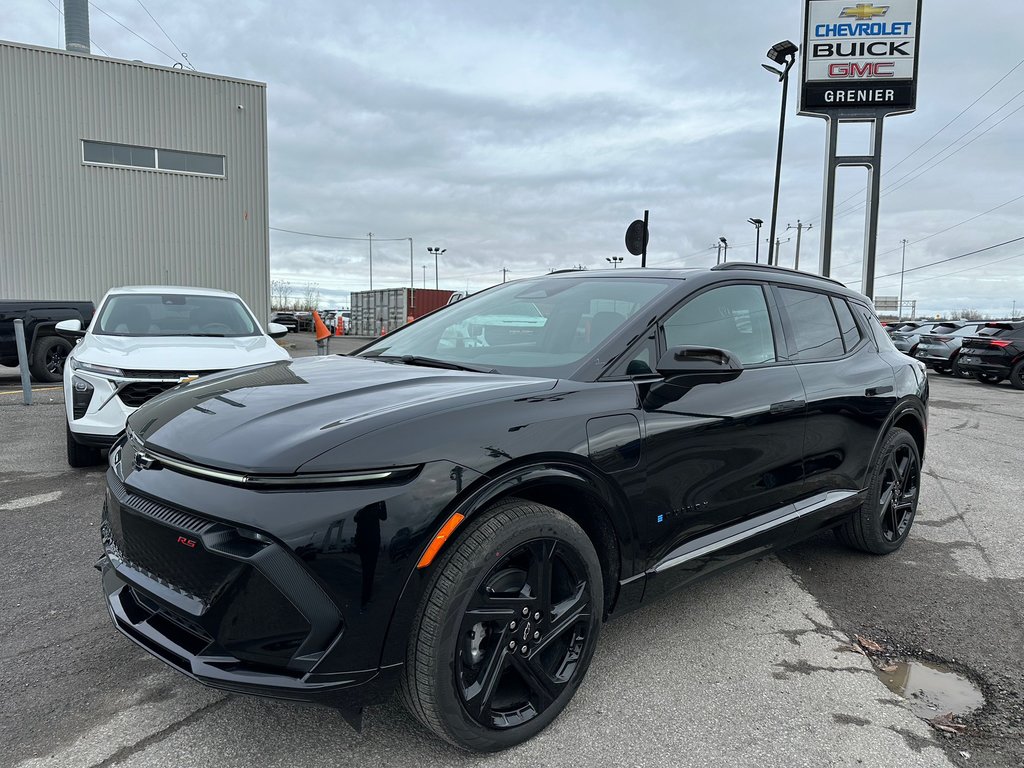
(718, 260)
(725, 249)
(778, 245)
(903, 265)
(370, 236)
(412, 279)
(424, 276)
(799, 230)
(504, 273)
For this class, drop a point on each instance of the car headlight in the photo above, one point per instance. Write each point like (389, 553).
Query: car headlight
(103, 370)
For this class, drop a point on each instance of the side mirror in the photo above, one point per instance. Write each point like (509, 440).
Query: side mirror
(276, 330)
(689, 366)
(70, 329)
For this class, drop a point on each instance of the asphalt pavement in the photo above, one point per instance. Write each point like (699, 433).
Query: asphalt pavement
(752, 667)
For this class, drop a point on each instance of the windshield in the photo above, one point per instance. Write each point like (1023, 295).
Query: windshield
(542, 327)
(174, 314)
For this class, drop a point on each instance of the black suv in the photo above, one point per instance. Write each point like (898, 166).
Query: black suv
(995, 354)
(457, 507)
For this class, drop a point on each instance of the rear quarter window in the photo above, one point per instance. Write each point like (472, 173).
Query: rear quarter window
(813, 325)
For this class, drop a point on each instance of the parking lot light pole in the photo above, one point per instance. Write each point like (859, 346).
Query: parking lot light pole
(757, 239)
(783, 54)
(435, 251)
(614, 261)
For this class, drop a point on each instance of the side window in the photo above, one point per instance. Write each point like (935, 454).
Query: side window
(847, 325)
(813, 324)
(733, 317)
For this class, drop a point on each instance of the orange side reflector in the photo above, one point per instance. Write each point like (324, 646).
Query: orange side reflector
(442, 536)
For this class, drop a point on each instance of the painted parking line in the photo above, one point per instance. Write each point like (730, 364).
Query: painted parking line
(34, 389)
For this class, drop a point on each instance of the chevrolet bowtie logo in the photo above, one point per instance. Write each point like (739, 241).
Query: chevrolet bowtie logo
(863, 11)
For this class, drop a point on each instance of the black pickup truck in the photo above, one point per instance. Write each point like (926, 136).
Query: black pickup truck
(46, 348)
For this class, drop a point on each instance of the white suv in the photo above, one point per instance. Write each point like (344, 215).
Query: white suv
(144, 340)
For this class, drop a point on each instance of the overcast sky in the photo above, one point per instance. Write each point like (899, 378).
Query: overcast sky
(528, 135)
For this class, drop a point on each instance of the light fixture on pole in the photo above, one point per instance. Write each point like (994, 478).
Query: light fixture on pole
(725, 249)
(614, 261)
(435, 251)
(757, 239)
(783, 54)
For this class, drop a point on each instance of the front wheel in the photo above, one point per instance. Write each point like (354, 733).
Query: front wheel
(882, 524)
(506, 629)
(80, 455)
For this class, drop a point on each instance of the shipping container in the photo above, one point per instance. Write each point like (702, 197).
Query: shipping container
(377, 312)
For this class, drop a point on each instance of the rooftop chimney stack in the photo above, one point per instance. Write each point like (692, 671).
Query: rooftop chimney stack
(76, 26)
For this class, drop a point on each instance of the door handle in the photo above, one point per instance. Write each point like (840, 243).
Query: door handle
(873, 391)
(786, 406)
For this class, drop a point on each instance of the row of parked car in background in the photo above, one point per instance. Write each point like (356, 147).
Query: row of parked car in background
(990, 352)
(303, 321)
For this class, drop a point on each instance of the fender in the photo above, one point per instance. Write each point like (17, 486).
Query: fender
(477, 497)
(908, 405)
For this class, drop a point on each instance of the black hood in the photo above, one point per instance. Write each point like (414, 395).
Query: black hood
(274, 418)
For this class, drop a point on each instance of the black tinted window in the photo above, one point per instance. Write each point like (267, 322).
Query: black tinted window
(733, 317)
(813, 324)
(847, 325)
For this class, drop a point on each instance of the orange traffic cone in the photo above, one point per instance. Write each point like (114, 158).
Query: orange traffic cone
(339, 325)
(318, 326)
(384, 330)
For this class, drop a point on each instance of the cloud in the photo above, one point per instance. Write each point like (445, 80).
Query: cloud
(528, 135)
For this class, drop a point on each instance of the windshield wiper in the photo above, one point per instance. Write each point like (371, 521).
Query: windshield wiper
(430, 362)
(207, 335)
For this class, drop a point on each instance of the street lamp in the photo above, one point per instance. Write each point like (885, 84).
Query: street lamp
(725, 249)
(614, 261)
(757, 239)
(783, 54)
(424, 276)
(435, 251)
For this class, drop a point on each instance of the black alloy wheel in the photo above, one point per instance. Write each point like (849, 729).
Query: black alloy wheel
(524, 632)
(1017, 375)
(883, 522)
(507, 627)
(988, 378)
(46, 360)
(959, 372)
(901, 485)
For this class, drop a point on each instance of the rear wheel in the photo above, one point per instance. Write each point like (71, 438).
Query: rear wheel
(46, 361)
(1017, 375)
(945, 370)
(988, 378)
(882, 524)
(507, 628)
(80, 455)
(958, 371)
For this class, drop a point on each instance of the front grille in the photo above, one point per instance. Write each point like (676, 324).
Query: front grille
(137, 374)
(165, 545)
(135, 395)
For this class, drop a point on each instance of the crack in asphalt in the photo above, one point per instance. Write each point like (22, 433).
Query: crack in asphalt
(125, 752)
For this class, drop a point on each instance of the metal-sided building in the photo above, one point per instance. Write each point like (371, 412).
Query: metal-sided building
(123, 173)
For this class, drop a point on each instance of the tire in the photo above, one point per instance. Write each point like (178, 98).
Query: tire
(462, 680)
(989, 378)
(1017, 375)
(80, 455)
(957, 371)
(945, 370)
(880, 527)
(46, 360)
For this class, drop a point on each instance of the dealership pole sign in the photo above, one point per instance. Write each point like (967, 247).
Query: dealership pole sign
(859, 66)
(860, 57)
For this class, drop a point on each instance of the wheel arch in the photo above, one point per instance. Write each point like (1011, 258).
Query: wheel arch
(584, 495)
(908, 415)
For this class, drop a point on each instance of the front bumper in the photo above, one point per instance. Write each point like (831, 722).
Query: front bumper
(280, 594)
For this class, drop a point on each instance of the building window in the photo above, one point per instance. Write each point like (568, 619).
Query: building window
(176, 161)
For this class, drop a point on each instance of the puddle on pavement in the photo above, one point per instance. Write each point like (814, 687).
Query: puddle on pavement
(931, 689)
